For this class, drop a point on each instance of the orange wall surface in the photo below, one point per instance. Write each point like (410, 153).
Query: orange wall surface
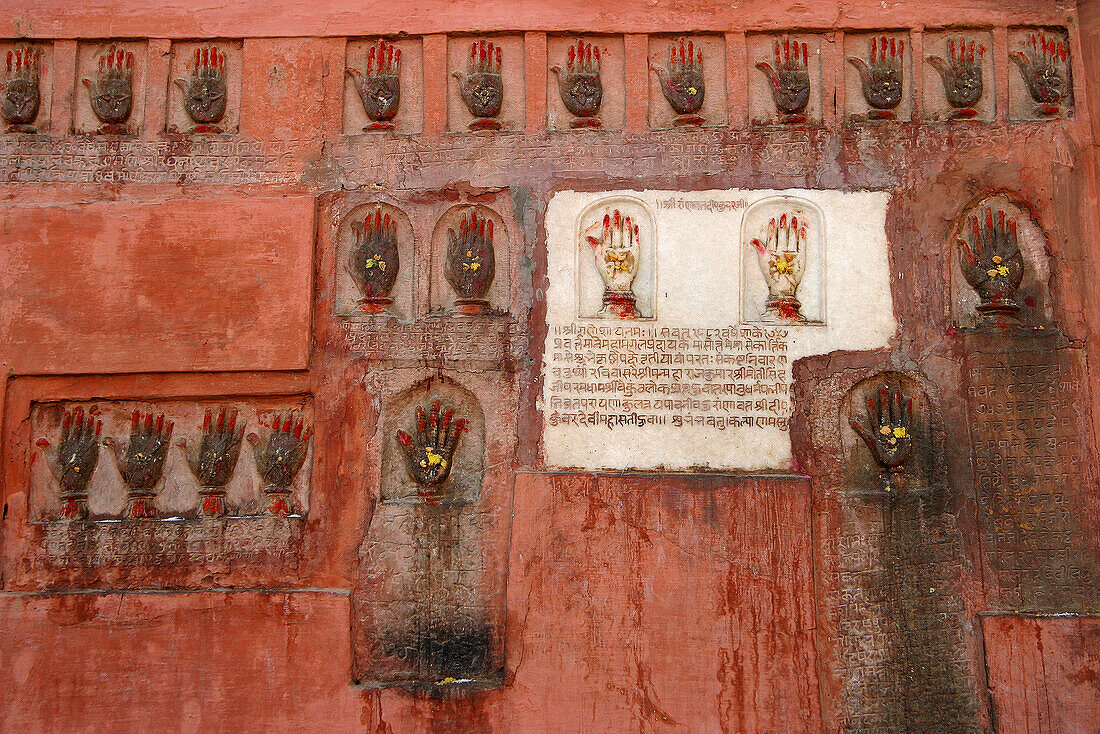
(181, 272)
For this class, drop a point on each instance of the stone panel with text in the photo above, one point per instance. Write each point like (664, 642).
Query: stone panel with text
(674, 319)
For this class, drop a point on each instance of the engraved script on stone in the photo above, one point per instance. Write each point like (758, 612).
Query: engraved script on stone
(703, 384)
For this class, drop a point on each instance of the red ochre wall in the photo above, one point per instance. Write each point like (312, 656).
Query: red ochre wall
(638, 603)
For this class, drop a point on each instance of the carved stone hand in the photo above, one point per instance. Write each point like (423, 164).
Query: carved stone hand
(374, 261)
(141, 464)
(618, 254)
(214, 459)
(469, 265)
(74, 461)
(22, 96)
(379, 86)
(962, 75)
(887, 429)
(429, 455)
(112, 91)
(482, 86)
(205, 93)
(279, 457)
(782, 258)
(580, 85)
(1043, 62)
(790, 79)
(682, 82)
(883, 79)
(991, 262)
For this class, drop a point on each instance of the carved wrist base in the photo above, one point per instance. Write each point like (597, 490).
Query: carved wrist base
(140, 506)
(874, 114)
(999, 313)
(470, 307)
(893, 481)
(379, 125)
(112, 128)
(581, 122)
(484, 123)
(792, 118)
(213, 501)
(375, 304)
(22, 129)
(74, 507)
(619, 305)
(1047, 109)
(963, 113)
(204, 128)
(784, 308)
(277, 501)
(691, 119)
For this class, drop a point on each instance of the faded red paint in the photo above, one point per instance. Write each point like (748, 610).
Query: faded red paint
(653, 603)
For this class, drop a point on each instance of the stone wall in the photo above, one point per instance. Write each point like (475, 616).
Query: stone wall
(549, 367)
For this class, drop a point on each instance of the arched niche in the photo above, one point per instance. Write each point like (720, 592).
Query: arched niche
(350, 298)
(765, 298)
(463, 484)
(444, 298)
(1033, 295)
(593, 287)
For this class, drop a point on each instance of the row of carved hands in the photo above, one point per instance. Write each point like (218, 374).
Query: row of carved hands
(111, 90)
(469, 262)
(616, 242)
(1043, 62)
(278, 456)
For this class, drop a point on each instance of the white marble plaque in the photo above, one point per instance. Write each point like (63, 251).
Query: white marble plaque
(674, 319)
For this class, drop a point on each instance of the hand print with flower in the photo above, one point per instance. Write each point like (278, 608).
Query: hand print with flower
(782, 256)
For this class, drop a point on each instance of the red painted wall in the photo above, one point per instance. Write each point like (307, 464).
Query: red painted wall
(160, 267)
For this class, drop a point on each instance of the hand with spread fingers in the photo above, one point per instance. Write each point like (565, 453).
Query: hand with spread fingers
(112, 91)
(882, 78)
(617, 251)
(22, 96)
(214, 459)
(782, 257)
(379, 85)
(206, 93)
(1044, 63)
(279, 457)
(429, 453)
(469, 266)
(790, 79)
(141, 463)
(75, 460)
(482, 86)
(374, 261)
(579, 83)
(991, 262)
(682, 81)
(961, 74)
(887, 428)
